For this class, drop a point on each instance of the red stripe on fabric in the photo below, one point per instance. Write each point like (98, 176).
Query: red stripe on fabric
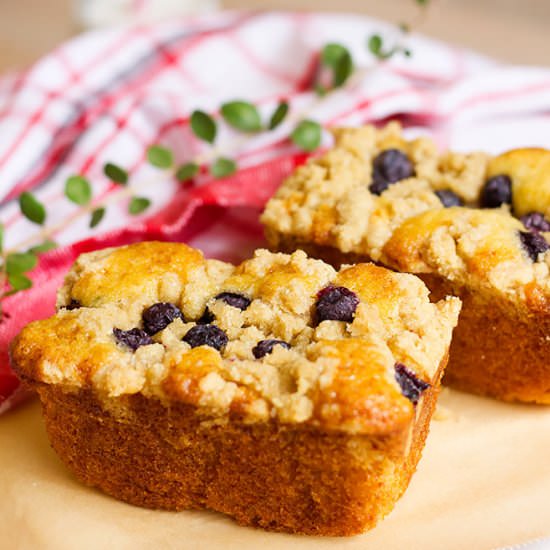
(81, 123)
(11, 92)
(107, 100)
(115, 46)
(24, 132)
(173, 59)
(457, 58)
(499, 96)
(260, 64)
(368, 102)
(307, 80)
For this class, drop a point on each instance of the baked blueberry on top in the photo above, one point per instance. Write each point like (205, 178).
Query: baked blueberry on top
(496, 191)
(159, 316)
(335, 303)
(263, 347)
(133, 338)
(390, 166)
(206, 335)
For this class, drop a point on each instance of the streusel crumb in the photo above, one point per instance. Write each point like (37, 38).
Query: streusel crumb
(160, 320)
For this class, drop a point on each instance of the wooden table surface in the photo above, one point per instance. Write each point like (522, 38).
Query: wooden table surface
(507, 29)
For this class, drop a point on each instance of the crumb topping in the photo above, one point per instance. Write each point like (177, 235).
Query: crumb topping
(413, 208)
(262, 354)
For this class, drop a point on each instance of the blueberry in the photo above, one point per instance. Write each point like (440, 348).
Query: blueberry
(533, 243)
(390, 166)
(335, 303)
(535, 221)
(263, 347)
(133, 338)
(449, 198)
(233, 299)
(378, 187)
(206, 318)
(411, 386)
(496, 191)
(73, 304)
(206, 335)
(159, 316)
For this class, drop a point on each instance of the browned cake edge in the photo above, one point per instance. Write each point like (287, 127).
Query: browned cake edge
(494, 351)
(283, 478)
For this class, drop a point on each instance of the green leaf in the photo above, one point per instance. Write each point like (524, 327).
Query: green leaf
(343, 69)
(78, 190)
(19, 262)
(97, 216)
(223, 167)
(339, 59)
(422, 2)
(138, 205)
(278, 115)
(307, 135)
(242, 115)
(44, 247)
(203, 126)
(18, 282)
(332, 53)
(159, 156)
(375, 44)
(1, 237)
(115, 173)
(187, 171)
(320, 90)
(32, 208)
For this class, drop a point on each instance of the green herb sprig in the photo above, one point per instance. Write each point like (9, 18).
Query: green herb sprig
(242, 116)
(379, 48)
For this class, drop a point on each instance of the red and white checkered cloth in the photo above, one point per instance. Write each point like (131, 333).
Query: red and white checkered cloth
(108, 95)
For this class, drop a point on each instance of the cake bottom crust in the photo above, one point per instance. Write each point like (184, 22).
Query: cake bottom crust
(495, 352)
(281, 478)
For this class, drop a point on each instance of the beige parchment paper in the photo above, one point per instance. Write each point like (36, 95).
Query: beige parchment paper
(483, 482)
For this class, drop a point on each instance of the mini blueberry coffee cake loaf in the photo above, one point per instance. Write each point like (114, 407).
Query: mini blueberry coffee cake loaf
(469, 224)
(281, 392)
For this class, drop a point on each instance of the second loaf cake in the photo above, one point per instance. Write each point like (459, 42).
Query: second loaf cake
(469, 224)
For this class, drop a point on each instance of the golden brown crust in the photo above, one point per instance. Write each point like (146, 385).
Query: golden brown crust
(510, 363)
(513, 363)
(292, 479)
